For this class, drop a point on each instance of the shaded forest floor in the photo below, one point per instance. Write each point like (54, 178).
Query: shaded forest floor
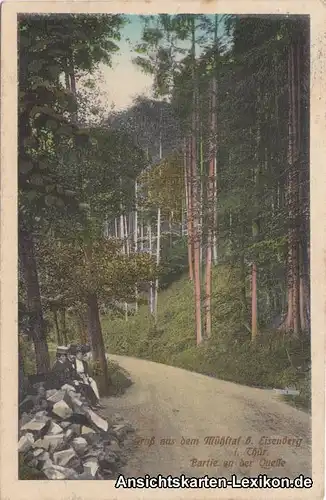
(276, 361)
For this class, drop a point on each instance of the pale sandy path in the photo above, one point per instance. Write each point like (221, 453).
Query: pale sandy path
(168, 402)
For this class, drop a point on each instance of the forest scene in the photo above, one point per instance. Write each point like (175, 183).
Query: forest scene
(174, 227)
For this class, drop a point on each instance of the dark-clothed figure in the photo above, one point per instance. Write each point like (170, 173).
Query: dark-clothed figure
(61, 369)
(71, 358)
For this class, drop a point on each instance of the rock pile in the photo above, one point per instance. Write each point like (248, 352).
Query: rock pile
(66, 439)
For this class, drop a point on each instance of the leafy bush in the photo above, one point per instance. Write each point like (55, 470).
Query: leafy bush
(174, 263)
(120, 379)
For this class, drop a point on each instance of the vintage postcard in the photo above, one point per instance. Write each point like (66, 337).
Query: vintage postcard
(162, 249)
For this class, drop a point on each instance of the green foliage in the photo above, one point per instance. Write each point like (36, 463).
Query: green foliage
(228, 355)
(52, 45)
(174, 263)
(71, 270)
(162, 184)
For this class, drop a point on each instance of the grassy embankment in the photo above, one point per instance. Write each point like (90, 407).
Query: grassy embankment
(275, 361)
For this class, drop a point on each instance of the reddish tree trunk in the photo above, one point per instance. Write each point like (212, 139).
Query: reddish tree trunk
(196, 245)
(208, 286)
(256, 220)
(188, 189)
(303, 306)
(214, 208)
(292, 321)
(254, 330)
(210, 218)
(215, 220)
(196, 208)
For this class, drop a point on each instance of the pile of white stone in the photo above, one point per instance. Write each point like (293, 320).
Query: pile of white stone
(68, 440)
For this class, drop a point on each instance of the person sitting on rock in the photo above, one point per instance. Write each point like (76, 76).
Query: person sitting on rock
(88, 384)
(71, 358)
(61, 368)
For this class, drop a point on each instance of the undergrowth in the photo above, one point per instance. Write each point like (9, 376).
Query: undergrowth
(274, 361)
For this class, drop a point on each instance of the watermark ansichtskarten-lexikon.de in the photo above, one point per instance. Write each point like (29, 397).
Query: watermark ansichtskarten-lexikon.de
(260, 482)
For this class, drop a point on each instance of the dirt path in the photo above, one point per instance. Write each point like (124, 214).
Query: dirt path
(169, 403)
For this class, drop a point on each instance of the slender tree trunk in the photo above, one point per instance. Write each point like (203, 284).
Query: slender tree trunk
(21, 375)
(303, 316)
(72, 80)
(243, 286)
(170, 230)
(215, 229)
(124, 250)
(98, 346)
(158, 234)
(254, 321)
(305, 284)
(190, 219)
(116, 234)
(136, 238)
(230, 227)
(295, 173)
(63, 326)
(106, 230)
(196, 208)
(92, 331)
(149, 232)
(142, 235)
(182, 219)
(208, 288)
(289, 317)
(158, 245)
(256, 217)
(122, 235)
(215, 130)
(303, 205)
(292, 321)
(210, 218)
(201, 202)
(27, 257)
(56, 324)
(126, 232)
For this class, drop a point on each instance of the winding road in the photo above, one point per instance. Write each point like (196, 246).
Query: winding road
(174, 410)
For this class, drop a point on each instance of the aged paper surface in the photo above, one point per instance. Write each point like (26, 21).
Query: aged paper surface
(238, 443)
